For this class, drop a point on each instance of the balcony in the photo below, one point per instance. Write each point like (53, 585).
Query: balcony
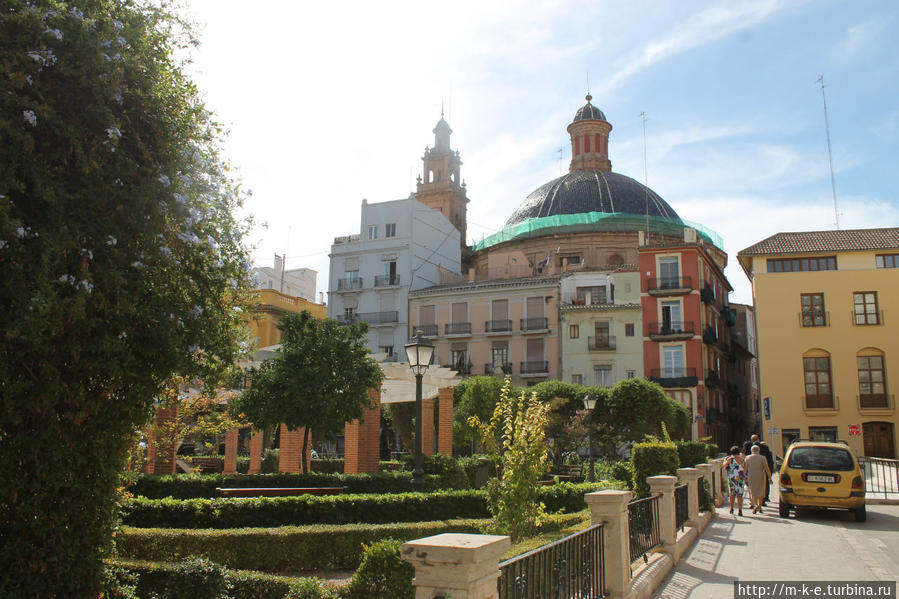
(875, 401)
(534, 324)
(428, 330)
(387, 281)
(534, 368)
(457, 328)
(352, 284)
(709, 336)
(498, 326)
(602, 343)
(659, 286)
(376, 318)
(505, 368)
(814, 318)
(677, 376)
(671, 331)
(826, 404)
(712, 380)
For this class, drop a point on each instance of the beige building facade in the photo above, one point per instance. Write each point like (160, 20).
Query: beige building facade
(827, 308)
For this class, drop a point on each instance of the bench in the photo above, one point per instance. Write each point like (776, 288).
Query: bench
(278, 491)
(569, 472)
(207, 464)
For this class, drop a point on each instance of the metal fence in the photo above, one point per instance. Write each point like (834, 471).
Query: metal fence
(570, 568)
(681, 506)
(643, 520)
(699, 485)
(881, 477)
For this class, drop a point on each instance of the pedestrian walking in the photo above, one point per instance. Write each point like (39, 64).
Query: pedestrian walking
(757, 475)
(733, 465)
(765, 452)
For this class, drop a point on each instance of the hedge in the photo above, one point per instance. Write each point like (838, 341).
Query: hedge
(651, 459)
(334, 509)
(154, 577)
(192, 486)
(692, 453)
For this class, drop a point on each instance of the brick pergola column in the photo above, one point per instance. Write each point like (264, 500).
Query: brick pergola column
(161, 451)
(289, 453)
(427, 426)
(362, 440)
(230, 452)
(256, 452)
(445, 421)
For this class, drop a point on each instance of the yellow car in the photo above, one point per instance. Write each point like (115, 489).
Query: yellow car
(821, 474)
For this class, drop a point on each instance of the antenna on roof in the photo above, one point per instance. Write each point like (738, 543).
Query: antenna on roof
(645, 175)
(588, 82)
(833, 185)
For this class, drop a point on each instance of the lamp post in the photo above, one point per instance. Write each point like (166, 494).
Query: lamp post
(590, 404)
(419, 353)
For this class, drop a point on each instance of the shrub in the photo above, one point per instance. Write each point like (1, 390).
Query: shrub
(270, 459)
(328, 465)
(383, 573)
(311, 588)
(198, 578)
(706, 503)
(622, 470)
(651, 459)
(691, 453)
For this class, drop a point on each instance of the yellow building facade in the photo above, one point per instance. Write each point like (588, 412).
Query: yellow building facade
(271, 305)
(827, 318)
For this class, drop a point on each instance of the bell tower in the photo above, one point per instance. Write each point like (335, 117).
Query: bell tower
(440, 186)
(589, 139)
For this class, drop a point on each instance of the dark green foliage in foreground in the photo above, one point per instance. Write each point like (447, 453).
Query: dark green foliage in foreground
(383, 573)
(121, 266)
(652, 459)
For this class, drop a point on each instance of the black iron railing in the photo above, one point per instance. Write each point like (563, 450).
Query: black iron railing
(534, 324)
(349, 284)
(497, 326)
(672, 372)
(643, 520)
(673, 327)
(681, 506)
(457, 328)
(601, 343)
(428, 330)
(534, 367)
(386, 280)
(881, 477)
(379, 317)
(661, 284)
(700, 484)
(570, 567)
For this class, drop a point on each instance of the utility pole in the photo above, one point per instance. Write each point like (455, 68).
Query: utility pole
(833, 185)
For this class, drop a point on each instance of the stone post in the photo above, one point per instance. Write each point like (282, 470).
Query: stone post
(230, 452)
(664, 485)
(718, 469)
(691, 477)
(255, 453)
(461, 566)
(705, 471)
(609, 507)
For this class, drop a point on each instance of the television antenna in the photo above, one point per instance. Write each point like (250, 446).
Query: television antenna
(833, 185)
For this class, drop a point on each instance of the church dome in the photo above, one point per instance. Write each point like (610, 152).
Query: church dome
(589, 112)
(592, 191)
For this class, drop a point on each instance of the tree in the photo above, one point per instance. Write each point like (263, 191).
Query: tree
(321, 379)
(122, 266)
(475, 396)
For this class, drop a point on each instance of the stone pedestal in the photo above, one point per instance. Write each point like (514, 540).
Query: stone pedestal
(691, 477)
(255, 453)
(609, 507)
(461, 566)
(664, 486)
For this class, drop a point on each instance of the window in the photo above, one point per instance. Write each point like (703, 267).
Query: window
(588, 296)
(574, 331)
(603, 374)
(813, 310)
(825, 433)
(577, 379)
(387, 349)
(802, 264)
(671, 317)
(499, 356)
(631, 374)
(352, 274)
(629, 329)
(818, 389)
(673, 361)
(788, 435)
(390, 230)
(871, 382)
(349, 314)
(866, 307)
(459, 357)
(669, 273)
(372, 231)
(887, 260)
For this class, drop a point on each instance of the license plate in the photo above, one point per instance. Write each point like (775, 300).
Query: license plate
(820, 478)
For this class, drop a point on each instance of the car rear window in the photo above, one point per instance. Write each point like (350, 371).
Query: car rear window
(821, 458)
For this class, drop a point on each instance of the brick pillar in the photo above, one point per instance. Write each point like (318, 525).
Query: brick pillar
(230, 452)
(362, 440)
(427, 428)
(161, 450)
(255, 453)
(289, 454)
(461, 566)
(445, 420)
(609, 507)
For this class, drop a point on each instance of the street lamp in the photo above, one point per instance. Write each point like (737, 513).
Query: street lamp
(419, 353)
(590, 404)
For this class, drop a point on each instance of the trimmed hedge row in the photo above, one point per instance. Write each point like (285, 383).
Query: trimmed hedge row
(651, 459)
(155, 577)
(334, 509)
(193, 486)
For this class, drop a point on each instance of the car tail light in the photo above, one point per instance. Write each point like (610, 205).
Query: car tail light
(785, 479)
(857, 483)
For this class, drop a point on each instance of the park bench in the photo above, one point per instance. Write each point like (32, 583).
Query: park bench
(569, 472)
(207, 464)
(278, 491)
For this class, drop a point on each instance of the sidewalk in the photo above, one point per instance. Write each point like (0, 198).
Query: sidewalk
(818, 546)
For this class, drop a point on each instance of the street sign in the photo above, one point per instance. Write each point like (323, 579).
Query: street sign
(855, 430)
(773, 430)
(767, 402)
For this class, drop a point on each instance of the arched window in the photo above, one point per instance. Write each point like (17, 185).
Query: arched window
(818, 381)
(872, 385)
(615, 259)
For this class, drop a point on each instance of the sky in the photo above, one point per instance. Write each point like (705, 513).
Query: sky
(330, 103)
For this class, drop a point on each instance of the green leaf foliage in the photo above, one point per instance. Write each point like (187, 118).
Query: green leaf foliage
(122, 266)
(652, 459)
(474, 396)
(383, 573)
(691, 453)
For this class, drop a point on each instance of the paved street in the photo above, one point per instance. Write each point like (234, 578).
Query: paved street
(817, 546)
